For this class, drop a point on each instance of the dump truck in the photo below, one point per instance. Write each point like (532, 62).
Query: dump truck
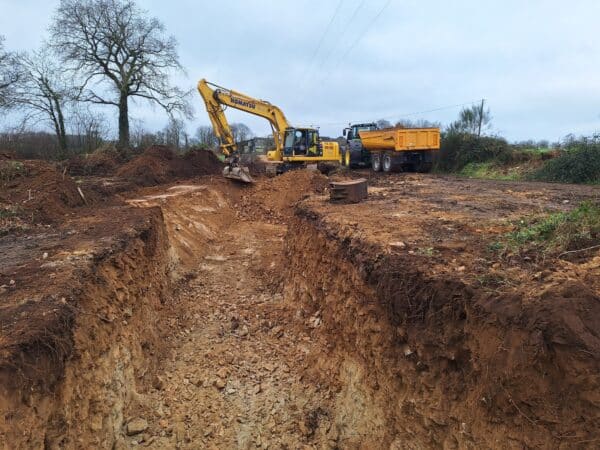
(390, 149)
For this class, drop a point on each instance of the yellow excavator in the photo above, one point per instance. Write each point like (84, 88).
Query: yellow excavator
(294, 147)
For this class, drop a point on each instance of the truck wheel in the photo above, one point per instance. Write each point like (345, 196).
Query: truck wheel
(347, 160)
(386, 163)
(376, 162)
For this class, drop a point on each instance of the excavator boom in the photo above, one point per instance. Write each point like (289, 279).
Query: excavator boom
(218, 98)
(294, 147)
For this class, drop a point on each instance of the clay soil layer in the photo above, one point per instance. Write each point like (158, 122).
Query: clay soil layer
(205, 314)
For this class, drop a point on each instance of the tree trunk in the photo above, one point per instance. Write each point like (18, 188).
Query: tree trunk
(123, 124)
(62, 133)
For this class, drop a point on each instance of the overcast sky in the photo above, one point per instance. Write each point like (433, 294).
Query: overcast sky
(327, 63)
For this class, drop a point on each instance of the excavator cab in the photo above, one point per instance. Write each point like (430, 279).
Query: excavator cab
(301, 142)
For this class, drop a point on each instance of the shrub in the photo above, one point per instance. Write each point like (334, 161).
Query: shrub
(460, 149)
(579, 162)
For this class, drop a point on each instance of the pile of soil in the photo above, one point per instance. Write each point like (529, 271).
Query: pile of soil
(5, 154)
(37, 192)
(103, 162)
(275, 198)
(161, 164)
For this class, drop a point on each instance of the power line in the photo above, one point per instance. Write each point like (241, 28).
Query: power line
(398, 116)
(343, 33)
(358, 39)
(320, 44)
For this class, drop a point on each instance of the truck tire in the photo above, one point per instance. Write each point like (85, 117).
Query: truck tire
(376, 162)
(386, 163)
(391, 163)
(347, 160)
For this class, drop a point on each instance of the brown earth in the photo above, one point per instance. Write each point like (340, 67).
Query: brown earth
(102, 162)
(38, 192)
(161, 164)
(205, 314)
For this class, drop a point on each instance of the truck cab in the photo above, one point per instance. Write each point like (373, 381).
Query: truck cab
(355, 155)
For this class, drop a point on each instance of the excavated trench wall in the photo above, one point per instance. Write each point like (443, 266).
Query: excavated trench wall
(110, 347)
(430, 362)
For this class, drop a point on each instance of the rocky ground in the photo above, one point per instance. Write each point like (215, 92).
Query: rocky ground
(264, 316)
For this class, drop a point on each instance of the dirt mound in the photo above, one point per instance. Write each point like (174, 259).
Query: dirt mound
(102, 162)
(5, 154)
(160, 164)
(38, 192)
(275, 197)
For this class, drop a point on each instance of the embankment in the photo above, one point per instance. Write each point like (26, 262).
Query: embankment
(74, 359)
(424, 360)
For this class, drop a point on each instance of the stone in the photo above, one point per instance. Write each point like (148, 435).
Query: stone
(179, 431)
(136, 426)
(96, 423)
(219, 383)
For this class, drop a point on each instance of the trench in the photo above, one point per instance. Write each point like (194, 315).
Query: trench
(216, 326)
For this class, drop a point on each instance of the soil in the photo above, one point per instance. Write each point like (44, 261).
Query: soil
(103, 162)
(161, 164)
(38, 192)
(207, 314)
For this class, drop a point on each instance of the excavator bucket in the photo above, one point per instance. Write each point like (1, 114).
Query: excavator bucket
(238, 173)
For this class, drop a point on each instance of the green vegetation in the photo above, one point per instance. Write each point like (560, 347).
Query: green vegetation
(460, 149)
(555, 233)
(464, 152)
(578, 163)
(492, 171)
(9, 170)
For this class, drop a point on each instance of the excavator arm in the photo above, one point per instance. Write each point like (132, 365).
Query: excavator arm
(294, 147)
(217, 99)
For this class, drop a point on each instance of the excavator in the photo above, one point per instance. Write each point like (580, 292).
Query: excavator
(294, 147)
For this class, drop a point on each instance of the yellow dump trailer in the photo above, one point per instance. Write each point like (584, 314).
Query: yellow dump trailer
(390, 149)
(397, 149)
(401, 139)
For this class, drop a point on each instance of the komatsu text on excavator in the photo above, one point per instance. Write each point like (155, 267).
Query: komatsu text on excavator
(294, 147)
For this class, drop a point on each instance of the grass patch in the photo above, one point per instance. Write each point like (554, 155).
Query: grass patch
(492, 171)
(10, 170)
(556, 233)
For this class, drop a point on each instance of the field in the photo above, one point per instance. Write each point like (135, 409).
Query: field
(157, 304)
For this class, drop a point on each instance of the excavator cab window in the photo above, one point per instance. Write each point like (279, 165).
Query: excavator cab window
(296, 142)
(313, 143)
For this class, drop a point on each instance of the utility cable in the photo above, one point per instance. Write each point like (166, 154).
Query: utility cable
(358, 39)
(320, 44)
(333, 47)
(397, 116)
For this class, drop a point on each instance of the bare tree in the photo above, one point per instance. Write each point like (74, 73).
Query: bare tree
(175, 134)
(241, 132)
(9, 75)
(88, 129)
(472, 120)
(205, 136)
(122, 52)
(382, 124)
(42, 92)
(419, 123)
